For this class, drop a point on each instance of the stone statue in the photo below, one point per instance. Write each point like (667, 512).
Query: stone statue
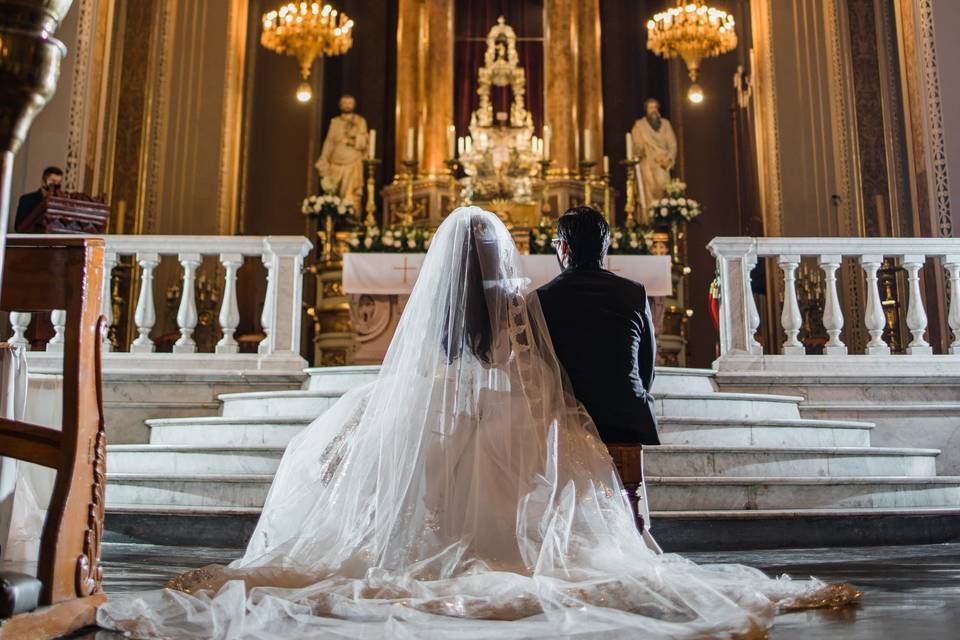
(341, 159)
(655, 146)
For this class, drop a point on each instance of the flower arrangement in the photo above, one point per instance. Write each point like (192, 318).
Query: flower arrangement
(393, 239)
(630, 240)
(541, 237)
(328, 204)
(674, 207)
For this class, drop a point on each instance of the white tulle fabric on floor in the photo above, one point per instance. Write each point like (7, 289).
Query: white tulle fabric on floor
(463, 494)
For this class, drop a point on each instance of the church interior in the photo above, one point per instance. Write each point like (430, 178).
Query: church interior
(243, 192)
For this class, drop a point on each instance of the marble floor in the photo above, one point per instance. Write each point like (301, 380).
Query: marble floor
(909, 592)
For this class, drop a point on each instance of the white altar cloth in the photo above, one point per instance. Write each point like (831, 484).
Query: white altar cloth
(396, 273)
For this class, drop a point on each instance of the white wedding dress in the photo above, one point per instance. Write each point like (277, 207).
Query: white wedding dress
(463, 494)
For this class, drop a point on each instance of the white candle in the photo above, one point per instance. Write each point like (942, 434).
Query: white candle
(461, 146)
(587, 145)
(546, 142)
(451, 142)
(606, 165)
(410, 142)
(629, 141)
(468, 144)
(372, 144)
(419, 157)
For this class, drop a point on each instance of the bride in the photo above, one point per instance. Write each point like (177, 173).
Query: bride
(463, 494)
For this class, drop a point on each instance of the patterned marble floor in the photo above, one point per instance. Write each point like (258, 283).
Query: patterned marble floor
(910, 592)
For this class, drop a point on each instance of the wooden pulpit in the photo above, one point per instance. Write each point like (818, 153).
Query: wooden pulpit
(63, 212)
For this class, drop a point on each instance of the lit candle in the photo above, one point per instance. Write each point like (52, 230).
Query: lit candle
(587, 145)
(410, 142)
(451, 141)
(372, 144)
(546, 142)
(606, 165)
(629, 140)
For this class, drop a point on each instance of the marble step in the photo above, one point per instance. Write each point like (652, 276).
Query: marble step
(666, 380)
(219, 430)
(300, 402)
(687, 461)
(770, 432)
(188, 490)
(703, 431)
(838, 492)
(665, 493)
(665, 460)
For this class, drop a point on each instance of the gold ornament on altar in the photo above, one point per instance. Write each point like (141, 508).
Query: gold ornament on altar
(693, 31)
(307, 30)
(501, 156)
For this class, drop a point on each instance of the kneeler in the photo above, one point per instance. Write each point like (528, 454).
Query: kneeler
(628, 458)
(43, 274)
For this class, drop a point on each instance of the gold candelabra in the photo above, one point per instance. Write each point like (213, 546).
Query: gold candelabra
(544, 174)
(630, 198)
(410, 172)
(370, 166)
(453, 165)
(607, 210)
(586, 176)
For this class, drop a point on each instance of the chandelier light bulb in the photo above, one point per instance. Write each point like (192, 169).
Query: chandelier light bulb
(304, 92)
(695, 93)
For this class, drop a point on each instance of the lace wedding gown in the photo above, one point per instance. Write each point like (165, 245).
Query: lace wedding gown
(463, 494)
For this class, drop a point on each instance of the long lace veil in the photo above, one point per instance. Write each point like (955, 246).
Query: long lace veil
(464, 487)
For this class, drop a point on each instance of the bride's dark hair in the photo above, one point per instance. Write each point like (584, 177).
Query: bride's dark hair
(474, 329)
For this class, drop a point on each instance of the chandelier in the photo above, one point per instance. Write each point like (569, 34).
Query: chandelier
(306, 30)
(692, 31)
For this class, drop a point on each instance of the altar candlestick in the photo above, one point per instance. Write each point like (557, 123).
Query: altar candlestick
(451, 141)
(629, 146)
(588, 145)
(372, 144)
(410, 142)
(546, 142)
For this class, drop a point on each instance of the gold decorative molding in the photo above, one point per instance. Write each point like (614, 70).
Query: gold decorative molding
(73, 178)
(763, 67)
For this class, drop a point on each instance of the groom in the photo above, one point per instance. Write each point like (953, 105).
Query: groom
(601, 331)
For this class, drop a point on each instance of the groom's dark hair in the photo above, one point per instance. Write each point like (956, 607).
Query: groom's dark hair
(587, 234)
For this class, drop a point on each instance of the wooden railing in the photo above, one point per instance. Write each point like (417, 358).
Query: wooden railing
(280, 321)
(740, 318)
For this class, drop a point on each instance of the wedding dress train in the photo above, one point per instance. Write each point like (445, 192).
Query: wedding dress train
(463, 494)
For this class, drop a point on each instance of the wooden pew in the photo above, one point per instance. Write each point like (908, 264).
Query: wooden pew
(39, 275)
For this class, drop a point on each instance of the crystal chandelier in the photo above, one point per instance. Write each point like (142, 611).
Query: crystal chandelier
(692, 31)
(307, 31)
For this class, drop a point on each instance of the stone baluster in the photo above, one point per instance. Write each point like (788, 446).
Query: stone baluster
(873, 316)
(832, 313)
(187, 312)
(20, 321)
(106, 297)
(916, 314)
(58, 318)
(790, 316)
(145, 315)
(269, 305)
(753, 315)
(952, 264)
(229, 310)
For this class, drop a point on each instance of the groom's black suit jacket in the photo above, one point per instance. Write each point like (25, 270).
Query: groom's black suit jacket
(602, 333)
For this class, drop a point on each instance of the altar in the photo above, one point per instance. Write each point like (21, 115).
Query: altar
(377, 286)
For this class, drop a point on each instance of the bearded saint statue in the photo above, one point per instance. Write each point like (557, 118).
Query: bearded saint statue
(655, 146)
(341, 158)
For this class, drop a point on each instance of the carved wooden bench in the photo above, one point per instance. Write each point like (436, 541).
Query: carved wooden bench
(46, 274)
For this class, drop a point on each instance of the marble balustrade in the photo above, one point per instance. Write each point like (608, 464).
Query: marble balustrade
(740, 319)
(279, 350)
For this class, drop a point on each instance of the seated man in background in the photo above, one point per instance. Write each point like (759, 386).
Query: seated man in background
(51, 182)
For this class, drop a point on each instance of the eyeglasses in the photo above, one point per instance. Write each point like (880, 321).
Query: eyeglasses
(555, 242)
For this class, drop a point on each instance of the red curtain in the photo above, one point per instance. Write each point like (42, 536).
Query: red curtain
(473, 19)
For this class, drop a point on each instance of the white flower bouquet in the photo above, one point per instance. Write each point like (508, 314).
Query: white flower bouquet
(393, 239)
(328, 204)
(674, 206)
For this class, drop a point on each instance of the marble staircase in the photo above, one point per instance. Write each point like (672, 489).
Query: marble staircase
(734, 469)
